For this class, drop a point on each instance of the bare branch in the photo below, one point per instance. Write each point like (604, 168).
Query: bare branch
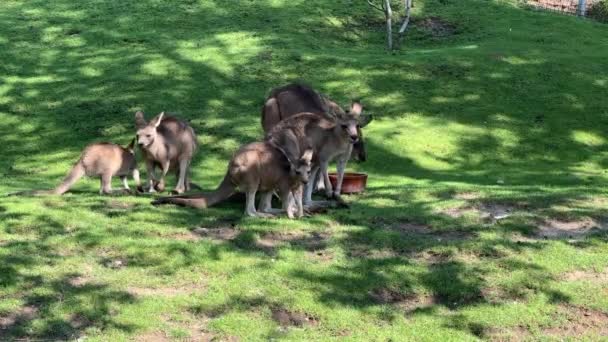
(375, 6)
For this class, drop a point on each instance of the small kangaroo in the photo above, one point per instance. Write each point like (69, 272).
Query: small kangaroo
(169, 143)
(103, 160)
(258, 166)
(328, 140)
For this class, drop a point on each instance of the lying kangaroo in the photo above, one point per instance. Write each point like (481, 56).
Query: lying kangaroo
(104, 160)
(169, 143)
(257, 166)
(296, 98)
(328, 140)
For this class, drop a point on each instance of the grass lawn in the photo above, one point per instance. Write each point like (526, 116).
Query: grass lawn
(485, 217)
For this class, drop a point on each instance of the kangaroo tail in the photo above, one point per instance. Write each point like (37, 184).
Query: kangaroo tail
(202, 200)
(75, 174)
(31, 193)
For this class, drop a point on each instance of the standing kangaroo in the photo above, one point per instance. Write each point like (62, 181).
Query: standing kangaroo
(103, 160)
(296, 98)
(258, 166)
(328, 139)
(169, 143)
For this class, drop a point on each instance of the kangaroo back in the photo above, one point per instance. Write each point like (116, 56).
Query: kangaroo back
(202, 200)
(75, 174)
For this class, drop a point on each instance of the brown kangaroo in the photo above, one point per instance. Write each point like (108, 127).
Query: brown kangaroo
(328, 140)
(297, 98)
(258, 166)
(169, 143)
(103, 160)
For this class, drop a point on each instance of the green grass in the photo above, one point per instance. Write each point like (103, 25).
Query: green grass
(508, 110)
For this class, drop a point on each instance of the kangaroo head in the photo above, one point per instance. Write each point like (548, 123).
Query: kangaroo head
(301, 168)
(147, 131)
(353, 120)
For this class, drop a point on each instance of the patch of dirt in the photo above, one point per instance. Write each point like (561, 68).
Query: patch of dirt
(425, 230)
(116, 263)
(311, 242)
(434, 257)
(165, 291)
(436, 26)
(114, 204)
(590, 276)
(156, 336)
(580, 321)
(23, 314)
(555, 229)
(384, 295)
(78, 281)
(222, 234)
(467, 196)
(286, 318)
(366, 252)
(485, 211)
(511, 334)
(321, 255)
(79, 321)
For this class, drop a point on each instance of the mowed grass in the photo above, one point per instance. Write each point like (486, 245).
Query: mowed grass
(501, 110)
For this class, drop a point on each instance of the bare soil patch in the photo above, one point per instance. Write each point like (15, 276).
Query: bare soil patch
(165, 291)
(115, 263)
(21, 315)
(286, 318)
(320, 255)
(385, 295)
(436, 26)
(556, 229)
(468, 196)
(486, 211)
(156, 336)
(580, 321)
(585, 275)
(311, 242)
(222, 234)
(426, 230)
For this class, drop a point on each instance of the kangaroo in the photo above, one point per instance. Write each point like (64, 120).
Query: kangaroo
(104, 160)
(296, 98)
(328, 139)
(169, 143)
(259, 166)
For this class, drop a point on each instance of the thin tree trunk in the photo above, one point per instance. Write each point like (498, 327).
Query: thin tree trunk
(388, 12)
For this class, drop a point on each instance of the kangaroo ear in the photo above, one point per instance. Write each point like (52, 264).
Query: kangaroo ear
(157, 120)
(139, 119)
(307, 156)
(365, 119)
(356, 108)
(131, 145)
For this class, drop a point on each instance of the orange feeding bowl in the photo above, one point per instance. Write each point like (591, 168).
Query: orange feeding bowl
(354, 182)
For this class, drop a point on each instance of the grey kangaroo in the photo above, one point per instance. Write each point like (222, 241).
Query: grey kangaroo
(103, 160)
(168, 143)
(293, 99)
(328, 138)
(258, 166)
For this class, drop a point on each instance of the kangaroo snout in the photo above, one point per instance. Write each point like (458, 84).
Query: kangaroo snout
(354, 138)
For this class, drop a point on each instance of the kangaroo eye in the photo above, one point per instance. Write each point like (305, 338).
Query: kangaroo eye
(149, 136)
(344, 126)
(358, 126)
